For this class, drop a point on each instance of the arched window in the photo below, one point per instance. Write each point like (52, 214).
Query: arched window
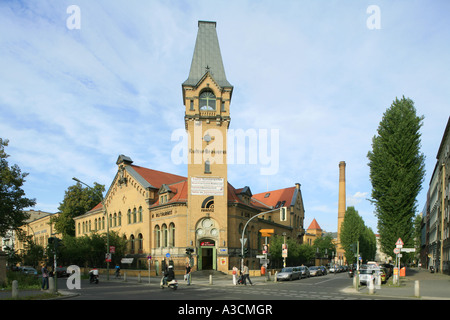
(132, 243)
(172, 235)
(207, 101)
(115, 220)
(157, 237)
(140, 214)
(207, 166)
(164, 235)
(119, 223)
(134, 215)
(129, 216)
(140, 243)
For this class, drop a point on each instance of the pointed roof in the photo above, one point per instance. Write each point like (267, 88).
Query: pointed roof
(314, 225)
(207, 57)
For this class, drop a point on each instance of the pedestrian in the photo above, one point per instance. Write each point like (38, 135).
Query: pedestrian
(235, 271)
(187, 275)
(44, 277)
(246, 274)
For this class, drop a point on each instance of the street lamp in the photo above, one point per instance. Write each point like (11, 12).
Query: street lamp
(107, 225)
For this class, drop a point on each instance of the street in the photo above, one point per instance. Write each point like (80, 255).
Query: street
(327, 287)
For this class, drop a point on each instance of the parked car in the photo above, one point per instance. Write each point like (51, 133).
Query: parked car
(315, 271)
(61, 272)
(324, 270)
(333, 269)
(28, 270)
(289, 273)
(304, 272)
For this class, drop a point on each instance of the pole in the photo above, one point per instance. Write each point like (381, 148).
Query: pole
(243, 233)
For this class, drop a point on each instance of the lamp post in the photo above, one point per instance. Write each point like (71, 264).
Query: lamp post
(107, 225)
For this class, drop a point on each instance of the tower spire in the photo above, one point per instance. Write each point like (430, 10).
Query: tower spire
(207, 57)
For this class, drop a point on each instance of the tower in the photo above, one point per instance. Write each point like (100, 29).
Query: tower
(206, 97)
(341, 208)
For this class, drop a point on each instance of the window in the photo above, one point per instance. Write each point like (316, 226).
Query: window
(129, 216)
(134, 215)
(120, 219)
(172, 235)
(140, 243)
(132, 243)
(164, 236)
(157, 237)
(140, 214)
(207, 101)
(207, 166)
(115, 220)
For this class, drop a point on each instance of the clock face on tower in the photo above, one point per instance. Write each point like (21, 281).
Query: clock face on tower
(207, 101)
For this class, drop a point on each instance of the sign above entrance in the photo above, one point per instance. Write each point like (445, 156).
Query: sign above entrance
(207, 244)
(207, 186)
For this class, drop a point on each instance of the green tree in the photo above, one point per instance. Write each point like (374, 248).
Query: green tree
(325, 245)
(12, 197)
(353, 230)
(396, 173)
(77, 201)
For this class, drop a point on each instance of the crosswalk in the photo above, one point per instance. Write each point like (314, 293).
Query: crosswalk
(266, 293)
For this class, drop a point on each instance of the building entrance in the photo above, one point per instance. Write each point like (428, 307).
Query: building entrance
(207, 255)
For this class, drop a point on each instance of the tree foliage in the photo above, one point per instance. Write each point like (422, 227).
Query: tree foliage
(297, 253)
(396, 172)
(77, 201)
(12, 196)
(353, 230)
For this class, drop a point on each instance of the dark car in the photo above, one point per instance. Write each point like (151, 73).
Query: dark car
(61, 272)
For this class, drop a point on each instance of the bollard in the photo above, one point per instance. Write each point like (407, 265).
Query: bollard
(371, 287)
(210, 279)
(15, 289)
(275, 278)
(416, 288)
(51, 285)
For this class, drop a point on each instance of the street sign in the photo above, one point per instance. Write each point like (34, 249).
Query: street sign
(408, 249)
(168, 255)
(260, 256)
(399, 242)
(149, 257)
(127, 260)
(112, 249)
(396, 250)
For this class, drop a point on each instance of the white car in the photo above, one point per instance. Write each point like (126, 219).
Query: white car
(366, 275)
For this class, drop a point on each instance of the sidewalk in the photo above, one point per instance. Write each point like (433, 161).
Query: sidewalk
(432, 286)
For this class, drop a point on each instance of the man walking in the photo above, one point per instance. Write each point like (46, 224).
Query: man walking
(187, 276)
(44, 278)
(246, 275)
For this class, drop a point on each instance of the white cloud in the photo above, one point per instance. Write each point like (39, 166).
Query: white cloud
(71, 101)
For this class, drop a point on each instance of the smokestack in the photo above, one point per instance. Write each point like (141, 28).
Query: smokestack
(341, 203)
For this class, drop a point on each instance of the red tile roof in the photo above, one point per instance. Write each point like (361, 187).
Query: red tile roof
(272, 198)
(157, 178)
(314, 225)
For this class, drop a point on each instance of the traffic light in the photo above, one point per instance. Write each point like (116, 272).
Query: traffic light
(189, 251)
(283, 214)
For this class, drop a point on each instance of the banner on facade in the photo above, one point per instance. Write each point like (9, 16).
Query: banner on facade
(206, 186)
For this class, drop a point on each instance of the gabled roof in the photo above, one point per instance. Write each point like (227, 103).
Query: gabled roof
(207, 57)
(153, 178)
(281, 198)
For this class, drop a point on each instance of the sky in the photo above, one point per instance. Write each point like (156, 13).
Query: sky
(82, 82)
